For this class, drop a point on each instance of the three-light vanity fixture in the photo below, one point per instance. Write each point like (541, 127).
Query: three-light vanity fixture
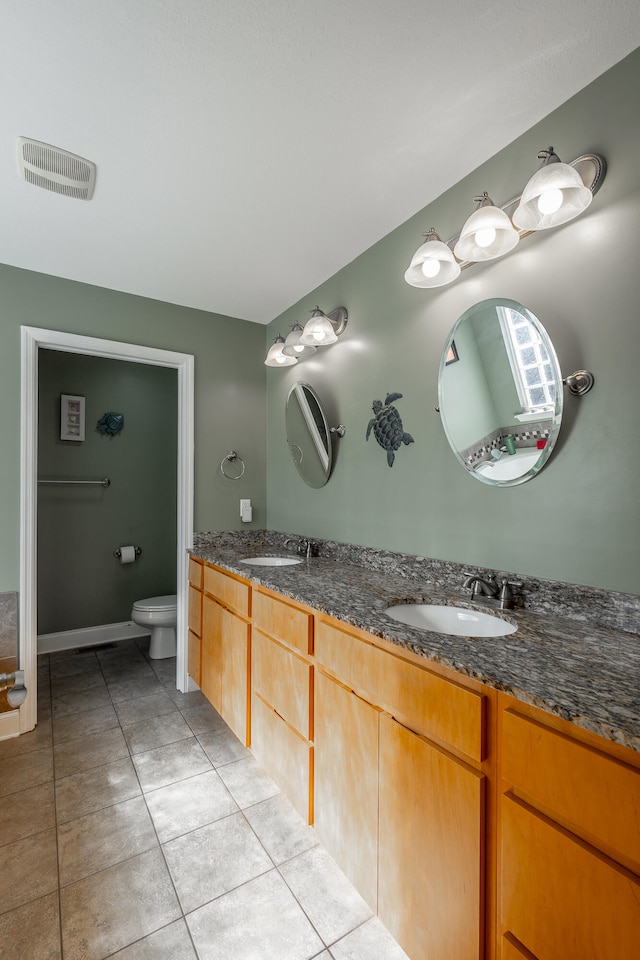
(321, 330)
(556, 193)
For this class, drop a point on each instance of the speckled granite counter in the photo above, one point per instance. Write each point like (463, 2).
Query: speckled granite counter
(575, 654)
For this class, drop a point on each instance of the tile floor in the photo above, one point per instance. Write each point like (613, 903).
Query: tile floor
(135, 826)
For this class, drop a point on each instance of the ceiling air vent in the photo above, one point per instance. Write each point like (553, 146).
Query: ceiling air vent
(54, 169)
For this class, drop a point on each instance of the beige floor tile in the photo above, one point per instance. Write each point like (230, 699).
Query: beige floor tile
(203, 718)
(28, 812)
(168, 764)
(95, 789)
(73, 756)
(121, 670)
(82, 724)
(32, 932)
(26, 770)
(101, 839)
(114, 908)
(327, 897)
(215, 859)
(185, 700)
(80, 702)
(145, 708)
(371, 941)
(170, 943)
(247, 782)
(77, 683)
(156, 732)
(184, 806)
(74, 664)
(37, 739)
(133, 687)
(258, 920)
(29, 869)
(222, 746)
(281, 830)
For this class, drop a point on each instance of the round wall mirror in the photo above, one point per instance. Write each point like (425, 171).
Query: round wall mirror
(308, 435)
(500, 392)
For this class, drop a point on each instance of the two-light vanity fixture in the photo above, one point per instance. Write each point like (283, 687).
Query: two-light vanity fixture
(556, 193)
(321, 330)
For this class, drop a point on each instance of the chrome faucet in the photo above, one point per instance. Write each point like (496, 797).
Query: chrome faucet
(303, 546)
(481, 587)
(489, 591)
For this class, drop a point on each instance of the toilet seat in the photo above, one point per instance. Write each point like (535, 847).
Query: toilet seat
(167, 603)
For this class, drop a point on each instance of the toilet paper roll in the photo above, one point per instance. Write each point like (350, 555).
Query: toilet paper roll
(127, 554)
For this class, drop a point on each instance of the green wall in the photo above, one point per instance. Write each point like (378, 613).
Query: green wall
(229, 389)
(80, 582)
(579, 520)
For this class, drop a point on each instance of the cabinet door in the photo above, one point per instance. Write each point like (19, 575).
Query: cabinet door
(193, 656)
(346, 782)
(195, 610)
(211, 657)
(560, 897)
(235, 674)
(430, 848)
(285, 755)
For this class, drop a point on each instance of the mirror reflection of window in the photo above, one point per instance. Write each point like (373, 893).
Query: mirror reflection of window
(533, 372)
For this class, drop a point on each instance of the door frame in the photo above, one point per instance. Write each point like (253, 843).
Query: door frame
(34, 339)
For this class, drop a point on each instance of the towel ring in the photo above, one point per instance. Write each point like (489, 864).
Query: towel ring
(232, 456)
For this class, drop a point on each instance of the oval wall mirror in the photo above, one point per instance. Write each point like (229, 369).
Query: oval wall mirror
(308, 434)
(500, 392)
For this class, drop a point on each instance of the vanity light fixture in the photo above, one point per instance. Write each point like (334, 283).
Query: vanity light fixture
(275, 356)
(292, 345)
(324, 329)
(433, 264)
(557, 193)
(487, 234)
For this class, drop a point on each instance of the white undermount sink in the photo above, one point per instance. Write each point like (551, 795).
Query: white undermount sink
(456, 621)
(270, 561)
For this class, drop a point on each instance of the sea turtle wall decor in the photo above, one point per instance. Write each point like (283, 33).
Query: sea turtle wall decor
(387, 426)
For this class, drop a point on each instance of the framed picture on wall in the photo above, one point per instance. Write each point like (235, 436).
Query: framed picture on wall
(71, 417)
(452, 354)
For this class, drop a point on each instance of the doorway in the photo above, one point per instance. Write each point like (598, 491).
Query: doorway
(33, 340)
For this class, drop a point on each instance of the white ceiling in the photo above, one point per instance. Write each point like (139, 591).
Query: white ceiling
(248, 149)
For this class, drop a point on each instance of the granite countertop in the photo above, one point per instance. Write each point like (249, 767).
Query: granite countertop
(588, 675)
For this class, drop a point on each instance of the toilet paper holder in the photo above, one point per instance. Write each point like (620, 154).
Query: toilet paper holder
(118, 553)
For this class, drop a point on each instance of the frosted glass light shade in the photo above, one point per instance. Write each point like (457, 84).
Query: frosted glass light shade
(275, 356)
(555, 185)
(433, 264)
(488, 233)
(293, 347)
(318, 331)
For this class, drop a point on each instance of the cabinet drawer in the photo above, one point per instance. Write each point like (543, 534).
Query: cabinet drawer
(193, 657)
(287, 757)
(421, 700)
(284, 681)
(195, 573)
(561, 898)
(594, 795)
(195, 610)
(232, 593)
(283, 622)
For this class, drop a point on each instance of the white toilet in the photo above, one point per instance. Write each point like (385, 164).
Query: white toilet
(159, 614)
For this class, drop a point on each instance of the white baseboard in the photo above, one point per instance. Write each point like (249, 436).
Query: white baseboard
(9, 724)
(90, 636)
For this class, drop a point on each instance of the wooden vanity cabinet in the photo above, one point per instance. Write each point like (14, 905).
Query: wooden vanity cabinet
(282, 727)
(194, 618)
(226, 649)
(403, 815)
(569, 840)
